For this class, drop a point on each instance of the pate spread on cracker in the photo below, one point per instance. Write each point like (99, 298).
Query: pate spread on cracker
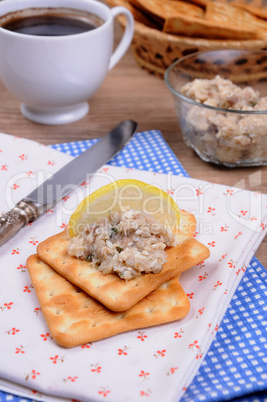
(127, 242)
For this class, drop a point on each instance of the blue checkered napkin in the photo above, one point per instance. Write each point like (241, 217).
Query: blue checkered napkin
(236, 363)
(146, 151)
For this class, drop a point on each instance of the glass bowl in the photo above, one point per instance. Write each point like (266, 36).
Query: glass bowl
(220, 132)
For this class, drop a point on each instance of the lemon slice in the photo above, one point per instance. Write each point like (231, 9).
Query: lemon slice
(125, 193)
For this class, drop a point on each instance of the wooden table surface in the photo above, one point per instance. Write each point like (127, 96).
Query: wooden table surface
(130, 92)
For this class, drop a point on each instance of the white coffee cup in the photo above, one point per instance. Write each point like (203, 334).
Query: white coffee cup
(54, 76)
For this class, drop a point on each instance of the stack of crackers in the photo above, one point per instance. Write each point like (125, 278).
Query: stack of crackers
(81, 304)
(201, 18)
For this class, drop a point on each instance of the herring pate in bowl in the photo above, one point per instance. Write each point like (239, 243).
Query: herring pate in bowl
(220, 100)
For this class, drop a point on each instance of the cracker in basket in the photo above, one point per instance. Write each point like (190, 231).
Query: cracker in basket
(163, 9)
(111, 290)
(202, 3)
(137, 14)
(225, 13)
(260, 12)
(74, 318)
(203, 28)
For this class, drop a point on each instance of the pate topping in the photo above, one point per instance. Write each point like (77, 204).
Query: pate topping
(223, 93)
(127, 242)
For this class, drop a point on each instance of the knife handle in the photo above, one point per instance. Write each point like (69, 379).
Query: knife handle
(11, 222)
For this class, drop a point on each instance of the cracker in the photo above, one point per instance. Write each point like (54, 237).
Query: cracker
(202, 28)
(187, 223)
(218, 12)
(201, 3)
(137, 14)
(260, 12)
(110, 290)
(163, 9)
(74, 318)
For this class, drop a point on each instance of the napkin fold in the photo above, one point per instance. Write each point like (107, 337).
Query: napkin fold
(231, 222)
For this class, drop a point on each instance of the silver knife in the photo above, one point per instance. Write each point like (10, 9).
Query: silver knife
(66, 179)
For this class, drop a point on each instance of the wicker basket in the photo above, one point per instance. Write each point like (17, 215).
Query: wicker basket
(155, 50)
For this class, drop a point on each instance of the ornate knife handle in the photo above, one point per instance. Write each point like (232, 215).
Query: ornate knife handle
(11, 222)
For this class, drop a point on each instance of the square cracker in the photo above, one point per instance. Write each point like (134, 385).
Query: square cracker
(111, 290)
(74, 318)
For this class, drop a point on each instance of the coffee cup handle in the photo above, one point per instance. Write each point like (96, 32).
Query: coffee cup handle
(127, 35)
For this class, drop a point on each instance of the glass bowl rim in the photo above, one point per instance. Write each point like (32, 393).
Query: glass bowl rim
(199, 104)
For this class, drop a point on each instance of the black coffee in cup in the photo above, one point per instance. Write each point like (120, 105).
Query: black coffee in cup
(50, 22)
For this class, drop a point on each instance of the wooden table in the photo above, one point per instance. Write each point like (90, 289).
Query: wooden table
(130, 92)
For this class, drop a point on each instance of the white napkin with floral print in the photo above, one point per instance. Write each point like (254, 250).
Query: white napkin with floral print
(153, 364)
